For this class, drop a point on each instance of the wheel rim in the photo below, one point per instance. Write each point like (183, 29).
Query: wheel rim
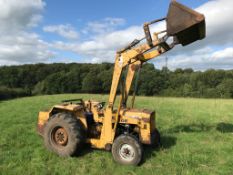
(59, 136)
(127, 152)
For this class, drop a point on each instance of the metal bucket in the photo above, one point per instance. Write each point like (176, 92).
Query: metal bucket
(185, 24)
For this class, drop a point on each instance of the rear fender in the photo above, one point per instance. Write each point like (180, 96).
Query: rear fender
(45, 115)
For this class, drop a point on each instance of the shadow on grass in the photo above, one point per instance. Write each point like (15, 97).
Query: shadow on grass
(224, 127)
(190, 128)
(221, 127)
(166, 143)
(86, 149)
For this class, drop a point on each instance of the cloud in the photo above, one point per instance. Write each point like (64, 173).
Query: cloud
(226, 53)
(66, 30)
(219, 21)
(102, 47)
(218, 16)
(206, 53)
(18, 45)
(105, 25)
(101, 39)
(201, 59)
(17, 15)
(218, 13)
(23, 48)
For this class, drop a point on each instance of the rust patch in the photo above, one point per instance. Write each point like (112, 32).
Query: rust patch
(60, 136)
(40, 129)
(147, 111)
(135, 67)
(186, 24)
(146, 120)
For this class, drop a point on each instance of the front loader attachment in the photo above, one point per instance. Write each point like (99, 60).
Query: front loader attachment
(182, 23)
(185, 24)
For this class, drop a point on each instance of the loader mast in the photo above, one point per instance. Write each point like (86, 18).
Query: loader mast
(183, 26)
(131, 59)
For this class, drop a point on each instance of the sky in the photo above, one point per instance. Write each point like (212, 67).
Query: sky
(48, 31)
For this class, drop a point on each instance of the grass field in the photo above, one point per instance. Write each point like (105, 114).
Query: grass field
(197, 138)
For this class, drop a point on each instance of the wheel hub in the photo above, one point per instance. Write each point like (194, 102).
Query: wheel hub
(127, 152)
(60, 136)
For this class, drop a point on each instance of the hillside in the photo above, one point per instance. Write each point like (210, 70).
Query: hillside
(59, 78)
(197, 138)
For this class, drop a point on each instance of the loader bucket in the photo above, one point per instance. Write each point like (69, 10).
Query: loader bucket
(185, 24)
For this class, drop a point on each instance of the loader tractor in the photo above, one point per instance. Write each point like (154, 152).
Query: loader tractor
(120, 128)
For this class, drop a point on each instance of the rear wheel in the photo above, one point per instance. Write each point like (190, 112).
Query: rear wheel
(63, 134)
(127, 150)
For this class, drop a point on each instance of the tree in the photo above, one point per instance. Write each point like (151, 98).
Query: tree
(187, 90)
(225, 88)
(97, 78)
(91, 83)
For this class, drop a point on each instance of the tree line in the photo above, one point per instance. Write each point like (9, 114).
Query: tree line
(56, 78)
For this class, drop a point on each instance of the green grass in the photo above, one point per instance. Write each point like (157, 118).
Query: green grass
(197, 136)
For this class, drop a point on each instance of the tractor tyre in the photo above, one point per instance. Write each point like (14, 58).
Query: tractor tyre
(64, 134)
(127, 150)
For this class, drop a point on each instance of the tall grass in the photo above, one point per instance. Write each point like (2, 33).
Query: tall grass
(197, 138)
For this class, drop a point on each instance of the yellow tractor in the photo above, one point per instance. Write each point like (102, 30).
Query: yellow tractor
(123, 131)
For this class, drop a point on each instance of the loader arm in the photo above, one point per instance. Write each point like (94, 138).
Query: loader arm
(183, 26)
(131, 60)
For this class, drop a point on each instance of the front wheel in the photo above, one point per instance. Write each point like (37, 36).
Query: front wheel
(127, 150)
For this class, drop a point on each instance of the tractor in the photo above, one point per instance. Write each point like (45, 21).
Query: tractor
(120, 128)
